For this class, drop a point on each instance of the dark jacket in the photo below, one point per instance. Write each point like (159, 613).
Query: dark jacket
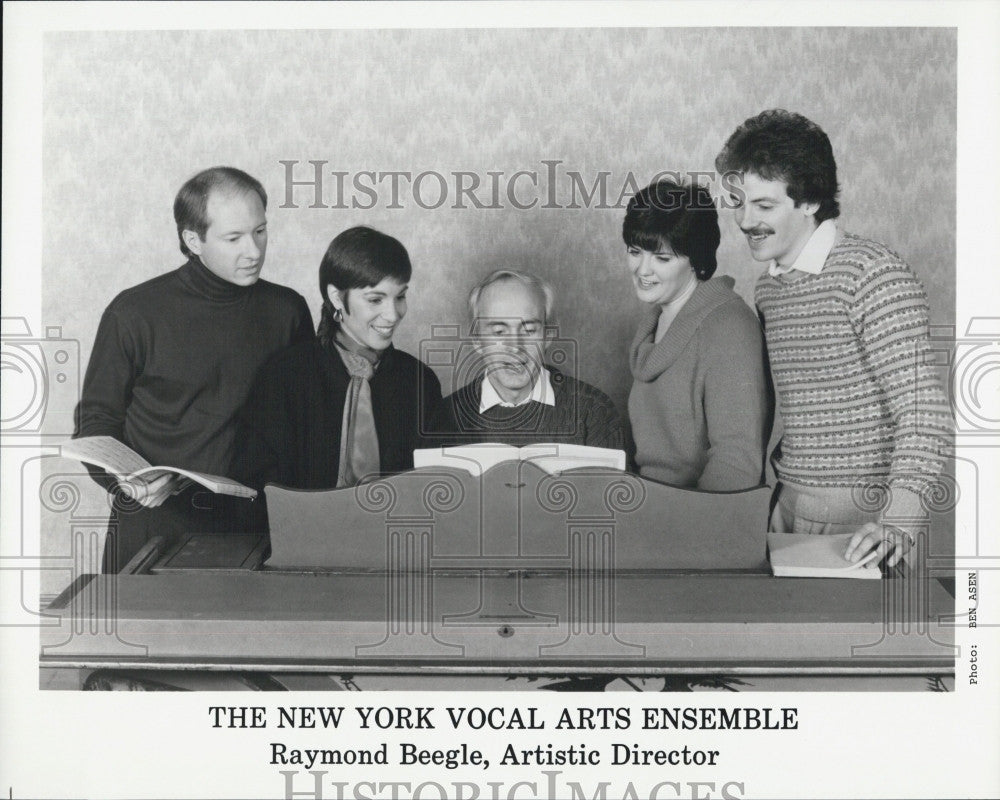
(291, 423)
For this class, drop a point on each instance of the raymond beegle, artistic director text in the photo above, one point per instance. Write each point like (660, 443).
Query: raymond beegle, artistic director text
(320, 772)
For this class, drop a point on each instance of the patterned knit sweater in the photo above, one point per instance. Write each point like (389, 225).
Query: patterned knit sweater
(860, 400)
(582, 414)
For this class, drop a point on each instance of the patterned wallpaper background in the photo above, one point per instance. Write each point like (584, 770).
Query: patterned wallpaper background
(128, 116)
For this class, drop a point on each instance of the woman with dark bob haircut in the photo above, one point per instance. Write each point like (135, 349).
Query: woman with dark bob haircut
(346, 406)
(700, 404)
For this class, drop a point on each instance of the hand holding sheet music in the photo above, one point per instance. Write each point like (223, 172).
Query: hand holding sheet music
(141, 479)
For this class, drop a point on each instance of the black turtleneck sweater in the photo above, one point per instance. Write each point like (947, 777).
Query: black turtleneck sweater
(173, 360)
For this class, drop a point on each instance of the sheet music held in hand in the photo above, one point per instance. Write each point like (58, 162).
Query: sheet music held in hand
(127, 465)
(806, 555)
(553, 458)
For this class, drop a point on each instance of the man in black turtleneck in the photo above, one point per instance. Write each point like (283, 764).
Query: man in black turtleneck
(175, 356)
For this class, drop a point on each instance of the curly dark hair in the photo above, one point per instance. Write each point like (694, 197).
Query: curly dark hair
(781, 145)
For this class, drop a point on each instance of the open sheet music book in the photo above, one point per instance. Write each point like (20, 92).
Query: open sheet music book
(127, 465)
(806, 555)
(553, 458)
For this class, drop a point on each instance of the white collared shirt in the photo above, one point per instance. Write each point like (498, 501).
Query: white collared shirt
(542, 392)
(814, 254)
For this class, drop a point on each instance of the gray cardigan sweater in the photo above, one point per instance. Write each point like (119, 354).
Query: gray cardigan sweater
(701, 405)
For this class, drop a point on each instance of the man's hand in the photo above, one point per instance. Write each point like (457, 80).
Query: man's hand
(151, 493)
(890, 541)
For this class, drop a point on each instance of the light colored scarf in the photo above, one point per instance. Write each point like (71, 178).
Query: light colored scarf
(359, 458)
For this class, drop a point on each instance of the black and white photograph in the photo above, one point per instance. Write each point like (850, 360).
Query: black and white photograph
(607, 394)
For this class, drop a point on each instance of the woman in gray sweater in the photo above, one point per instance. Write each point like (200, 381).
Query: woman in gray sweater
(700, 405)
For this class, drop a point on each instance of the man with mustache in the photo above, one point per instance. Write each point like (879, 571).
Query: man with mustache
(516, 399)
(174, 358)
(846, 325)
